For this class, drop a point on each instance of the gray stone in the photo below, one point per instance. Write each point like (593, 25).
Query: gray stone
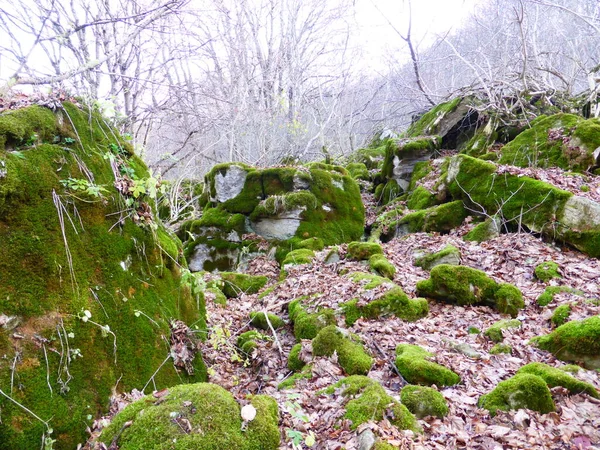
(231, 184)
(280, 227)
(199, 257)
(581, 213)
(366, 440)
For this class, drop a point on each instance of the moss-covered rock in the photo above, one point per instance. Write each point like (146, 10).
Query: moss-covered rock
(290, 382)
(466, 286)
(561, 140)
(495, 331)
(298, 257)
(248, 341)
(500, 348)
(578, 341)
(547, 271)
(351, 355)
(484, 231)
(259, 320)
(521, 391)
(314, 243)
(412, 362)
(556, 377)
(380, 264)
(369, 401)
(561, 315)
(424, 401)
(235, 284)
(307, 325)
(295, 364)
(448, 255)
(546, 297)
(363, 250)
(90, 271)
(358, 171)
(200, 416)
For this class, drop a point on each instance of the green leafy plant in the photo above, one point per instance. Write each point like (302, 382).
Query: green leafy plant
(86, 187)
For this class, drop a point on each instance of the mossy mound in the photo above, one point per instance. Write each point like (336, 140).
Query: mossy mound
(521, 391)
(561, 140)
(495, 331)
(92, 275)
(371, 402)
(314, 243)
(298, 257)
(466, 286)
(484, 231)
(202, 416)
(380, 264)
(546, 271)
(307, 325)
(448, 255)
(235, 284)
(412, 363)
(247, 341)
(578, 341)
(351, 354)
(295, 364)
(525, 202)
(424, 401)
(561, 315)
(500, 348)
(261, 320)
(290, 382)
(284, 205)
(358, 171)
(360, 251)
(556, 377)
(546, 297)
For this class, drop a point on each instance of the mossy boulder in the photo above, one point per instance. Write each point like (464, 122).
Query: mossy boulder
(202, 416)
(577, 341)
(358, 171)
(369, 401)
(413, 363)
(495, 331)
(524, 390)
(294, 363)
(351, 354)
(466, 286)
(248, 341)
(93, 276)
(298, 257)
(363, 250)
(547, 271)
(308, 324)
(284, 205)
(448, 255)
(547, 297)
(561, 315)
(381, 265)
(484, 231)
(314, 243)
(261, 320)
(235, 284)
(555, 377)
(561, 140)
(525, 202)
(424, 401)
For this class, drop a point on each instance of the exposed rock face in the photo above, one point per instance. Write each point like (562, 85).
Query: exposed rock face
(281, 227)
(80, 277)
(230, 183)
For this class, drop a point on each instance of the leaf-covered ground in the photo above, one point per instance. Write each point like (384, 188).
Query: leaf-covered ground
(309, 415)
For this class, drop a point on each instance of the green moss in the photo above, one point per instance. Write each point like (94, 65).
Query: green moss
(290, 382)
(314, 243)
(421, 198)
(216, 295)
(363, 250)
(125, 275)
(466, 286)
(238, 283)
(420, 171)
(555, 377)
(424, 401)
(248, 336)
(561, 140)
(561, 315)
(382, 266)
(295, 364)
(297, 257)
(208, 415)
(371, 402)
(500, 348)
(495, 331)
(351, 355)
(442, 218)
(368, 280)
(521, 391)
(358, 171)
(379, 445)
(259, 320)
(546, 297)
(387, 192)
(473, 330)
(578, 341)
(428, 122)
(219, 218)
(488, 229)
(412, 363)
(307, 325)
(547, 271)
(448, 255)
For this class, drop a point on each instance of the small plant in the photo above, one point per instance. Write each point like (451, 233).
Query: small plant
(86, 187)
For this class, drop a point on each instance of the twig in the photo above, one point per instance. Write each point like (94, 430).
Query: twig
(274, 333)
(390, 363)
(155, 372)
